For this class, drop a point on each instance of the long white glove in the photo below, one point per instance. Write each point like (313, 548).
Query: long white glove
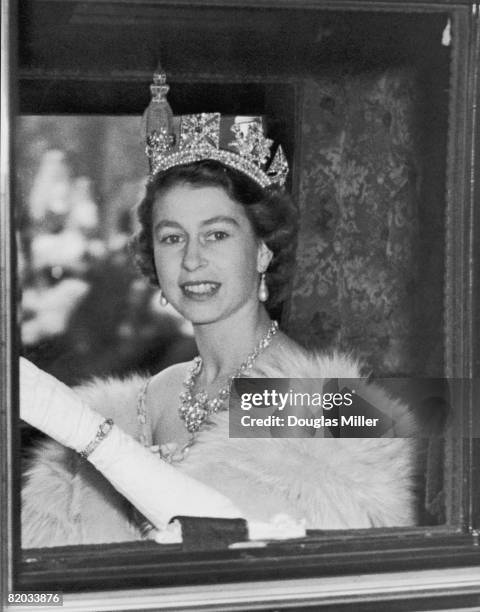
(154, 487)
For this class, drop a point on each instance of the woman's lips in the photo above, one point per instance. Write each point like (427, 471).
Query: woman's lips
(200, 290)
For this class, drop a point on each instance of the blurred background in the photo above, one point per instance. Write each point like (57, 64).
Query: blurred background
(85, 309)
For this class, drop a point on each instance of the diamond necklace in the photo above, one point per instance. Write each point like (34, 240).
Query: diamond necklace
(195, 410)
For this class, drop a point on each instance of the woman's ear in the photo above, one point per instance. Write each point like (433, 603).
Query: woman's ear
(264, 257)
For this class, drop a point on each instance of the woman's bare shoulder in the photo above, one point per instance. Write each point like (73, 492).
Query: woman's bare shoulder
(170, 378)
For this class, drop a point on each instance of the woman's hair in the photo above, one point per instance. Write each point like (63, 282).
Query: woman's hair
(271, 212)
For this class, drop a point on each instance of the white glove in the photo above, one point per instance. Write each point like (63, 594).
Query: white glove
(52, 407)
(155, 488)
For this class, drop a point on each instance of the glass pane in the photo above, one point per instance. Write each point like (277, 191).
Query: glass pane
(85, 310)
(369, 171)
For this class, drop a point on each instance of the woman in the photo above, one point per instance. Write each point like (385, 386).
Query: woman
(209, 256)
(218, 237)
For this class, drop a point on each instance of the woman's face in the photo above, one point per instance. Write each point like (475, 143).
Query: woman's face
(207, 256)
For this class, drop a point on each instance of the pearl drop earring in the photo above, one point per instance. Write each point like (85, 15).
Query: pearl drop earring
(163, 299)
(263, 289)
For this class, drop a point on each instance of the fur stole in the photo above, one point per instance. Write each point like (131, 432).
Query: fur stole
(65, 500)
(333, 483)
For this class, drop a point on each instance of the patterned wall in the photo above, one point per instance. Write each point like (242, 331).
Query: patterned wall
(368, 278)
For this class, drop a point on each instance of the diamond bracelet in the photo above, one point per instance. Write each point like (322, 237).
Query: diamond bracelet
(102, 432)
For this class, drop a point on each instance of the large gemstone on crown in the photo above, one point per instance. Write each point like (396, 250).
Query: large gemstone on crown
(198, 131)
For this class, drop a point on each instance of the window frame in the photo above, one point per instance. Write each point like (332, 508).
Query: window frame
(382, 565)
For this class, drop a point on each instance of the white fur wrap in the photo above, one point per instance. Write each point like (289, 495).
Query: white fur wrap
(333, 483)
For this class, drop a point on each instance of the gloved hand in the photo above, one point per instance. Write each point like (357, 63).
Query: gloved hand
(52, 407)
(155, 488)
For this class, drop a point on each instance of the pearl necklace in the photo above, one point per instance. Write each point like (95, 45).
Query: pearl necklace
(195, 410)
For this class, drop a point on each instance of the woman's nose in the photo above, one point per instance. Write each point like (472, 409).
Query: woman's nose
(193, 256)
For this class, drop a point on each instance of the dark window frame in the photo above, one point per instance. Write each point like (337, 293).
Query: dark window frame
(349, 553)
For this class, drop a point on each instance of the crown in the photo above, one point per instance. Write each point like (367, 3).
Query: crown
(238, 142)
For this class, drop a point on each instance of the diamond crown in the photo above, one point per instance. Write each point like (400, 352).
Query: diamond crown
(238, 142)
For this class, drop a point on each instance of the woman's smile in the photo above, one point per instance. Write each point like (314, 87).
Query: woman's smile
(200, 290)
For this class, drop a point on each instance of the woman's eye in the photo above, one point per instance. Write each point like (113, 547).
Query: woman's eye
(217, 235)
(171, 239)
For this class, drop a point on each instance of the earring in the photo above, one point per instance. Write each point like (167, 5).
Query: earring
(263, 289)
(163, 299)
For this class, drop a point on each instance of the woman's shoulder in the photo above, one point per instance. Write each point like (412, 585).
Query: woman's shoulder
(170, 378)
